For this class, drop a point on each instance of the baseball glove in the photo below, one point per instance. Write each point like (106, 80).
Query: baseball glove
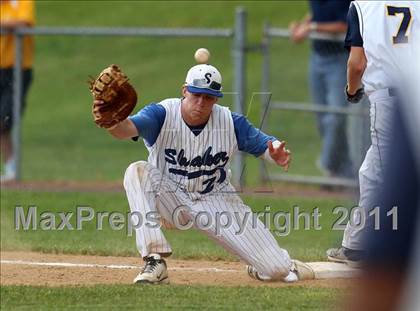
(117, 97)
(356, 97)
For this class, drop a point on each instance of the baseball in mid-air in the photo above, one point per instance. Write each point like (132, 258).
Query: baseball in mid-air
(202, 56)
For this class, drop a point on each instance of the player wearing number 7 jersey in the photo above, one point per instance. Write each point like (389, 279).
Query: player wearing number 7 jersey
(383, 38)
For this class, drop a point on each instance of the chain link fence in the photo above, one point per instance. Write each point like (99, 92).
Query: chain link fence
(284, 107)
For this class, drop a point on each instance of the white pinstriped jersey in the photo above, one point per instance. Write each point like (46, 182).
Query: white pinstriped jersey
(390, 31)
(198, 164)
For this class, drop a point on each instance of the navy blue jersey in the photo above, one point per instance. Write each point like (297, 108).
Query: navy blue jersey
(353, 36)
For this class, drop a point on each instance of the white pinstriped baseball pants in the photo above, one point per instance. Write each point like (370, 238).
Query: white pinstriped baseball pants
(149, 191)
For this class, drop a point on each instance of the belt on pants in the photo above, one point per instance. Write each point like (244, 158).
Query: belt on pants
(383, 93)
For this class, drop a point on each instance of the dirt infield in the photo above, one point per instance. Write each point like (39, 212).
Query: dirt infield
(30, 268)
(117, 187)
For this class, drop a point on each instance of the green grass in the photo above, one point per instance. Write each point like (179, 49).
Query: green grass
(123, 297)
(191, 244)
(60, 141)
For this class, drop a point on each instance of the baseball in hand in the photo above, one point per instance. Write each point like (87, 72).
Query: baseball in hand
(202, 56)
(276, 144)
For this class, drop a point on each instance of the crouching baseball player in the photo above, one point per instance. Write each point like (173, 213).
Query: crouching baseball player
(191, 141)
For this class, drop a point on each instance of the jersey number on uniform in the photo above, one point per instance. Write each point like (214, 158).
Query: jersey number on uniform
(405, 23)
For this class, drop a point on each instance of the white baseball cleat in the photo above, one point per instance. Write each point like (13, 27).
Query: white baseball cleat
(153, 272)
(299, 271)
(253, 273)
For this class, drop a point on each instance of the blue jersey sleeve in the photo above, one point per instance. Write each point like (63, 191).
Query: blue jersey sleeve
(149, 121)
(250, 139)
(353, 36)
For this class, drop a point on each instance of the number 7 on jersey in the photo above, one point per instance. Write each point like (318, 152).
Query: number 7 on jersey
(401, 36)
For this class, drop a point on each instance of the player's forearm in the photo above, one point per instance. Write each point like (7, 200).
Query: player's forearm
(331, 27)
(354, 79)
(355, 69)
(124, 130)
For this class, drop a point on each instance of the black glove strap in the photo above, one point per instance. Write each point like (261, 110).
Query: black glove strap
(356, 97)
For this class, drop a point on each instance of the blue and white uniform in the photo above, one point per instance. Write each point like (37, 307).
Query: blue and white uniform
(199, 160)
(188, 167)
(389, 33)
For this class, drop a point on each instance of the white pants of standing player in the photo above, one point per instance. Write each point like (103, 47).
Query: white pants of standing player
(382, 107)
(148, 191)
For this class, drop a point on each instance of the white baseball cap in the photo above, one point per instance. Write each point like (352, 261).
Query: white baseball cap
(204, 79)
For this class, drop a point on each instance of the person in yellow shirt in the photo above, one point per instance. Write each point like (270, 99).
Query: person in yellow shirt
(14, 14)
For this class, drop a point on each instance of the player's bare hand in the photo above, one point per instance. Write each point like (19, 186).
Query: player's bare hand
(280, 155)
(292, 28)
